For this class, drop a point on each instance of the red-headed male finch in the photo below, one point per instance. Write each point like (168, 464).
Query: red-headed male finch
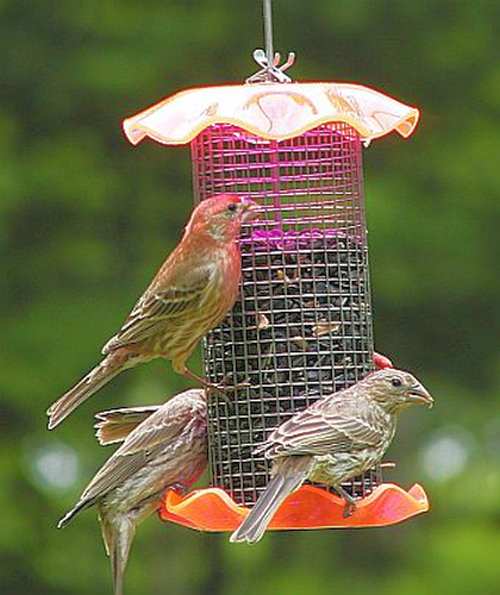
(163, 447)
(333, 440)
(191, 293)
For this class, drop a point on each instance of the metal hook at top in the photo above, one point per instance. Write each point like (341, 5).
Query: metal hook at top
(271, 73)
(269, 60)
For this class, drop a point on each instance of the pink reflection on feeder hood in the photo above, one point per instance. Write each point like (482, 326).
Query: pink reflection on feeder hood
(272, 112)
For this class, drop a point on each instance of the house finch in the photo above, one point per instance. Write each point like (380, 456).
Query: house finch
(166, 448)
(381, 361)
(191, 293)
(333, 440)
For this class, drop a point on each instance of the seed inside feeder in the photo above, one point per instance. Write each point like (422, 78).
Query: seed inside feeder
(301, 330)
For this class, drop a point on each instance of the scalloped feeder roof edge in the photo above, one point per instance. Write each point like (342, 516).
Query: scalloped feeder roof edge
(271, 111)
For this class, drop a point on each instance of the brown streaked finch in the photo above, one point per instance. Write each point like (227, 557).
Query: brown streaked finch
(333, 440)
(191, 293)
(166, 448)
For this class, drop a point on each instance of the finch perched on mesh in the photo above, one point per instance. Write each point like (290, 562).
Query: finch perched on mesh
(163, 447)
(191, 293)
(333, 440)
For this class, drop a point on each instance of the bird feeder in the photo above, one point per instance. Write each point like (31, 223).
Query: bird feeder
(302, 327)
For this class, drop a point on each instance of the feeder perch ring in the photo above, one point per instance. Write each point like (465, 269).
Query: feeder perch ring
(212, 509)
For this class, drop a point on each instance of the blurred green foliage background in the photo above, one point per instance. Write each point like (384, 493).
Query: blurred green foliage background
(85, 219)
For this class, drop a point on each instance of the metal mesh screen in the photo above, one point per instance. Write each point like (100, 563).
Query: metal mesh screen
(302, 326)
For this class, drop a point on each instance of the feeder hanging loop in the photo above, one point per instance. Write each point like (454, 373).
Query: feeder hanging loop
(268, 60)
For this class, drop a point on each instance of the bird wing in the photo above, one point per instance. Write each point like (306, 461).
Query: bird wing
(115, 471)
(321, 430)
(163, 302)
(116, 424)
(159, 431)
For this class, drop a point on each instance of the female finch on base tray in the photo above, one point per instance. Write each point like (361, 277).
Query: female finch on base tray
(333, 440)
(192, 292)
(163, 447)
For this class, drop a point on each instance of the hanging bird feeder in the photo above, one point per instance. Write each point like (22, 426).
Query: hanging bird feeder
(302, 327)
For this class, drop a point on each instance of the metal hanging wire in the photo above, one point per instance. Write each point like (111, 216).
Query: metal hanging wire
(268, 59)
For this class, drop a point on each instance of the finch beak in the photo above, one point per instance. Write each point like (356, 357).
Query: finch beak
(418, 395)
(250, 209)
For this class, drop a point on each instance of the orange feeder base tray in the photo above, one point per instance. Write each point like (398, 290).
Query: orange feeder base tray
(212, 509)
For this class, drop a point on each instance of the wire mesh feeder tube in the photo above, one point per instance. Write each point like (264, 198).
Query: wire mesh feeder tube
(302, 327)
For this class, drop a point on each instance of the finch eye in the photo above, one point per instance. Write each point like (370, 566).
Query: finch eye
(396, 382)
(232, 207)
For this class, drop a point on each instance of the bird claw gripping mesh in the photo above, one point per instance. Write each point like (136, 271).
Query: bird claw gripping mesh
(302, 326)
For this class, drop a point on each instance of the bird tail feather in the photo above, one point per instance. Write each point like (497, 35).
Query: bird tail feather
(118, 545)
(281, 485)
(116, 424)
(110, 367)
(69, 516)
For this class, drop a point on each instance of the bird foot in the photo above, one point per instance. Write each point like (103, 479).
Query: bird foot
(350, 503)
(220, 389)
(208, 386)
(234, 387)
(179, 488)
(229, 389)
(349, 509)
